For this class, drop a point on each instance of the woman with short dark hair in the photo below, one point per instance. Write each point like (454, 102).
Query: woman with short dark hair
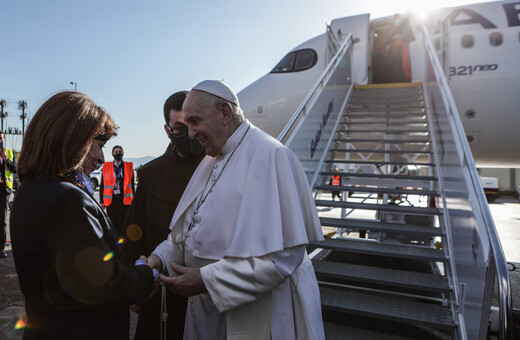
(69, 263)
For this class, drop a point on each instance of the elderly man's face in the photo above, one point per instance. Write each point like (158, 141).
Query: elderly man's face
(204, 124)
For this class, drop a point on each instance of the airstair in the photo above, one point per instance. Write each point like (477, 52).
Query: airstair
(411, 252)
(384, 264)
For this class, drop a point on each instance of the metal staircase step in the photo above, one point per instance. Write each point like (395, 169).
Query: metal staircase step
(383, 115)
(382, 276)
(382, 141)
(385, 131)
(339, 161)
(383, 122)
(362, 107)
(366, 175)
(390, 97)
(381, 226)
(379, 207)
(382, 249)
(377, 190)
(382, 151)
(389, 308)
(335, 331)
(415, 101)
(417, 98)
(387, 93)
(390, 182)
(389, 109)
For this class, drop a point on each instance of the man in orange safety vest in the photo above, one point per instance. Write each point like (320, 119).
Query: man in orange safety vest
(335, 181)
(117, 188)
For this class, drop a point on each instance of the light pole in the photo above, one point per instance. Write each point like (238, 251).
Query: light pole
(75, 85)
(22, 105)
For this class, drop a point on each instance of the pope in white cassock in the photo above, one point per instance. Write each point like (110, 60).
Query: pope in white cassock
(238, 236)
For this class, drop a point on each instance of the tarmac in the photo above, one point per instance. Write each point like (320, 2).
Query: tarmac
(505, 212)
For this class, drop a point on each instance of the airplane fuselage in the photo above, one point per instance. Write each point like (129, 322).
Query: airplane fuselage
(478, 46)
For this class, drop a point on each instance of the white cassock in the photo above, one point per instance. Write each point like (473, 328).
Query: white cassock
(247, 233)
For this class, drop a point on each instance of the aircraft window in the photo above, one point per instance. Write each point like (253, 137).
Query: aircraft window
(467, 41)
(496, 39)
(304, 60)
(296, 61)
(286, 64)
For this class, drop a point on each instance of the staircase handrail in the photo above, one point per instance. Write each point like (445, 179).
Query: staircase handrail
(504, 287)
(322, 79)
(332, 36)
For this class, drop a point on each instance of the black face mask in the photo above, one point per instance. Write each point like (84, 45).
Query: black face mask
(186, 146)
(118, 157)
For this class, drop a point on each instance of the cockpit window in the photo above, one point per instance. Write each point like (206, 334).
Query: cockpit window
(286, 64)
(304, 60)
(296, 61)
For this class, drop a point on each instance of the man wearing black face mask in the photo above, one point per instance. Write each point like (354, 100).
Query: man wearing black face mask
(161, 184)
(117, 188)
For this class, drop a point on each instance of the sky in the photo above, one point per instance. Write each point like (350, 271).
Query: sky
(130, 55)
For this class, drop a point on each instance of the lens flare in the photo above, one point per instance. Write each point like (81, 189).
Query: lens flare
(121, 241)
(134, 232)
(108, 256)
(20, 324)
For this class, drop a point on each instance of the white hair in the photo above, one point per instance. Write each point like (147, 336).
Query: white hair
(214, 102)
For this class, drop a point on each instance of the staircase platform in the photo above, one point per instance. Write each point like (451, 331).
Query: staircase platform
(380, 207)
(389, 308)
(386, 131)
(335, 331)
(378, 190)
(382, 141)
(389, 110)
(426, 152)
(342, 161)
(389, 86)
(382, 122)
(382, 249)
(383, 115)
(381, 226)
(382, 276)
(367, 175)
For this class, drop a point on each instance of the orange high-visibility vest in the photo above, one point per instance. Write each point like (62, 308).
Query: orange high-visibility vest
(335, 181)
(109, 183)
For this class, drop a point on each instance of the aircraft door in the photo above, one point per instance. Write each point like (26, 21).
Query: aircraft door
(391, 61)
(359, 26)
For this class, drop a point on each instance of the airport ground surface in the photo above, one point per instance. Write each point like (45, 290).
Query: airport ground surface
(505, 211)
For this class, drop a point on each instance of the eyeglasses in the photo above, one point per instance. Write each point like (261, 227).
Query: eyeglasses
(179, 131)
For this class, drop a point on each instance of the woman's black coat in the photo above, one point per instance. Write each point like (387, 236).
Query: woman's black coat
(70, 266)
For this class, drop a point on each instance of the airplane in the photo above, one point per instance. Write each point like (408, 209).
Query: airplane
(479, 48)
(340, 102)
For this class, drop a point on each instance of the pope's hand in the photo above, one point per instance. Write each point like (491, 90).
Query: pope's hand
(188, 283)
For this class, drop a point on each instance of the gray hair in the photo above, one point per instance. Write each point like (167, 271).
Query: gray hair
(212, 101)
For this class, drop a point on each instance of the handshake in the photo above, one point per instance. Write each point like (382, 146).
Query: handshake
(188, 281)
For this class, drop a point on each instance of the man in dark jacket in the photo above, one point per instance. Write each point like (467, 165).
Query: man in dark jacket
(7, 171)
(161, 184)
